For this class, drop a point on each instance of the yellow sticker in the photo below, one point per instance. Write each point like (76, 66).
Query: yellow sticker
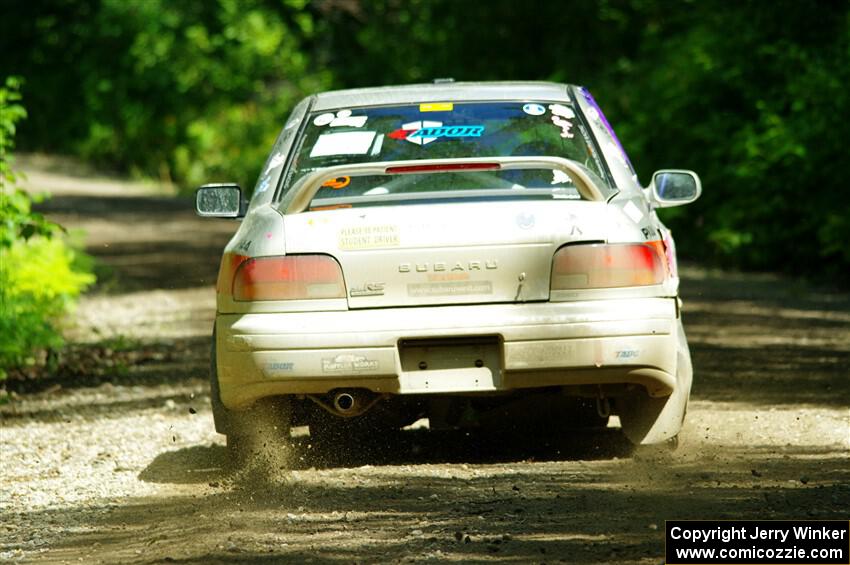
(437, 107)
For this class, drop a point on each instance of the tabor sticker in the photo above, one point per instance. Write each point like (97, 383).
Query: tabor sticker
(425, 132)
(449, 131)
(406, 129)
(437, 107)
(534, 109)
(343, 143)
(323, 119)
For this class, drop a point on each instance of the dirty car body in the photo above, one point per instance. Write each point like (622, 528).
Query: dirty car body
(474, 253)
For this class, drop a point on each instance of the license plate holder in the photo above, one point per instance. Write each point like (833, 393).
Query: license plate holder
(450, 365)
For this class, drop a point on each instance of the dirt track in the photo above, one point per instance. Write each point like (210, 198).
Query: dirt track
(121, 470)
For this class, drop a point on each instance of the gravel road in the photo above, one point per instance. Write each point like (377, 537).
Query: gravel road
(125, 467)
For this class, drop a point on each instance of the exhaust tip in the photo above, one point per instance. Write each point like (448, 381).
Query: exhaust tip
(344, 402)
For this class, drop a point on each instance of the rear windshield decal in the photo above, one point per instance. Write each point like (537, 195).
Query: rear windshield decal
(565, 126)
(406, 129)
(376, 148)
(343, 143)
(449, 131)
(561, 110)
(342, 118)
(425, 132)
(595, 114)
(337, 183)
(437, 107)
(534, 109)
(561, 116)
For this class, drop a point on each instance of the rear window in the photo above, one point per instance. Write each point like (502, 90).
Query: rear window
(440, 131)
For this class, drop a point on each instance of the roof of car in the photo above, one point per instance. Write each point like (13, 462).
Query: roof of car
(441, 92)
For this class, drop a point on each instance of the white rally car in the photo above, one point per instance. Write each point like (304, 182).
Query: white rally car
(478, 254)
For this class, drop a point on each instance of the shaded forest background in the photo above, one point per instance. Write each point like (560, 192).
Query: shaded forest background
(753, 95)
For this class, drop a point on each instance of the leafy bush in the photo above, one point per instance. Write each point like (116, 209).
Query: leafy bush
(40, 274)
(185, 91)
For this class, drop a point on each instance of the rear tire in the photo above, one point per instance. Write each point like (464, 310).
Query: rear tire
(221, 415)
(260, 431)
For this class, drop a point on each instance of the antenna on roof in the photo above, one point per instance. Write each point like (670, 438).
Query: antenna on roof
(443, 80)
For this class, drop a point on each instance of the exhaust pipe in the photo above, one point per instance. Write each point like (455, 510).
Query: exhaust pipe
(347, 403)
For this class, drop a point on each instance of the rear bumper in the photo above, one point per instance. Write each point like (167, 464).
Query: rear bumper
(538, 344)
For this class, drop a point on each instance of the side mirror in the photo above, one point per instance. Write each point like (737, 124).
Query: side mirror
(671, 187)
(219, 201)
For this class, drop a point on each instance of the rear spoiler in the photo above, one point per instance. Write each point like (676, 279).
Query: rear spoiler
(589, 186)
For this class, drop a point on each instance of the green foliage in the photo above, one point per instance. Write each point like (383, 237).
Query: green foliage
(18, 220)
(749, 98)
(750, 94)
(40, 279)
(40, 275)
(183, 91)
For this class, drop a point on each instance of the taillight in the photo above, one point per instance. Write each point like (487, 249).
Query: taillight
(229, 263)
(608, 265)
(295, 277)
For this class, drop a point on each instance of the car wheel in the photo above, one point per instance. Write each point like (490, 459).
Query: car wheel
(260, 431)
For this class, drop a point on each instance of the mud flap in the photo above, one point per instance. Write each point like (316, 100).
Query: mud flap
(221, 415)
(646, 420)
